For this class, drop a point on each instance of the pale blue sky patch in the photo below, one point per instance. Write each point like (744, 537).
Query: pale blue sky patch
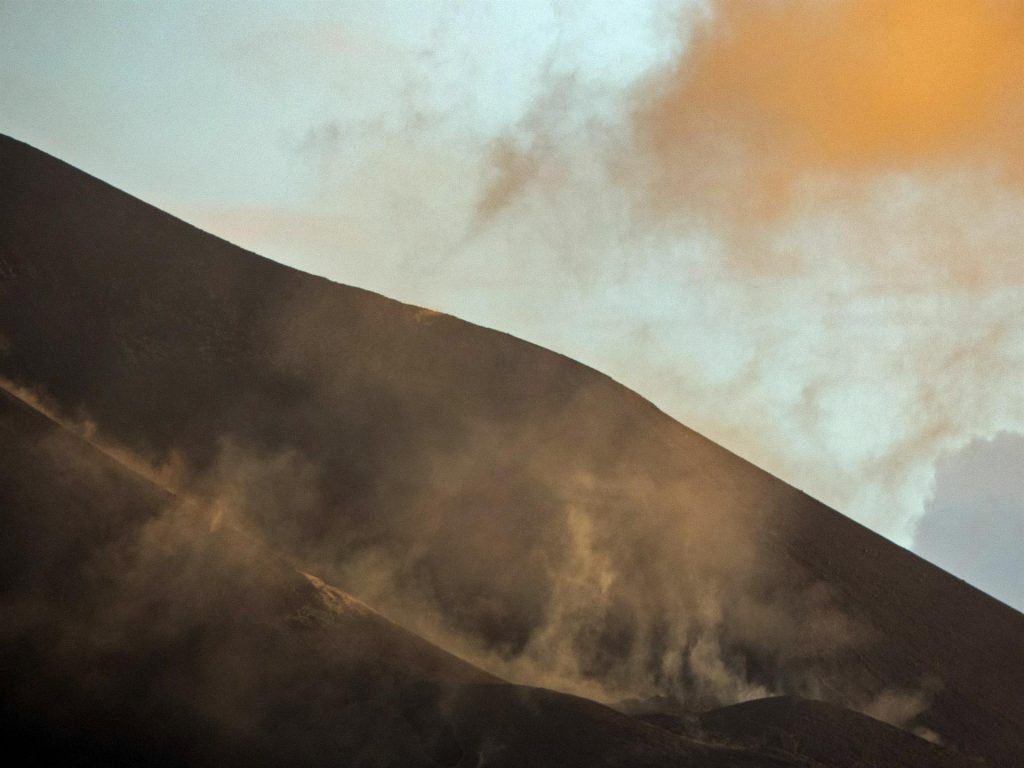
(975, 520)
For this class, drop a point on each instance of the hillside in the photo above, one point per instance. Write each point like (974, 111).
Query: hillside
(137, 633)
(522, 510)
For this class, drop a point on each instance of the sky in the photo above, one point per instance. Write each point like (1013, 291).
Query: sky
(796, 226)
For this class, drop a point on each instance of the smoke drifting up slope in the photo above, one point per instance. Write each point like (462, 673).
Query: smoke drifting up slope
(135, 632)
(525, 511)
(121, 598)
(404, 454)
(826, 735)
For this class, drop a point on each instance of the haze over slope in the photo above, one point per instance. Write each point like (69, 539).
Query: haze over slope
(143, 628)
(522, 510)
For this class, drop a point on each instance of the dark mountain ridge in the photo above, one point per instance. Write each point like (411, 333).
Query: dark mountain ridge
(543, 519)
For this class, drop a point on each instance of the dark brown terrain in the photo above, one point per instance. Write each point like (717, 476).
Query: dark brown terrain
(824, 733)
(191, 429)
(136, 634)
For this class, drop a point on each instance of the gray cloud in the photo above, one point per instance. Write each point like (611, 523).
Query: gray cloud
(974, 521)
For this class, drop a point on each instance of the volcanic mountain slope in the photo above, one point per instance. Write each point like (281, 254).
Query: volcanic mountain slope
(143, 628)
(523, 509)
(815, 732)
(133, 628)
(136, 633)
(825, 734)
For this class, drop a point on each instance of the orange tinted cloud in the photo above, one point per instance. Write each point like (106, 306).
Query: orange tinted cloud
(769, 93)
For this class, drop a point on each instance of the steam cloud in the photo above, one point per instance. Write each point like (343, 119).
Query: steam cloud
(613, 589)
(770, 97)
(795, 227)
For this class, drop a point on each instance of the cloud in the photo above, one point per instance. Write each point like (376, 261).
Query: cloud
(747, 225)
(769, 99)
(974, 520)
(802, 235)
